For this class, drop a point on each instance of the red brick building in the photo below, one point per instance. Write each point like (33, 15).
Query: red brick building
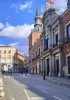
(66, 40)
(35, 45)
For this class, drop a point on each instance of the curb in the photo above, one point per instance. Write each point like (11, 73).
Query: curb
(1, 88)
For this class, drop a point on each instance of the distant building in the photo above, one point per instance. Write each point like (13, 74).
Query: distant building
(10, 59)
(26, 62)
(66, 40)
(35, 45)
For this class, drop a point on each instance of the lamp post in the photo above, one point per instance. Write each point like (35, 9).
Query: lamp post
(44, 70)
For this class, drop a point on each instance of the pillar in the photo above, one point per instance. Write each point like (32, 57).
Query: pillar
(53, 66)
(50, 65)
(60, 65)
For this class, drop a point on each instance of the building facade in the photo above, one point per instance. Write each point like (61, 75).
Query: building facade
(9, 60)
(51, 57)
(53, 44)
(56, 29)
(35, 45)
(66, 40)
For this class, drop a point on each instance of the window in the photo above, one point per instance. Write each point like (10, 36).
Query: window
(9, 51)
(9, 56)
(0, 51)
(39, 51)
(4, 51)
(46, 44)
(0, 56)
(36, 53)
(33, 55)
(68, 31)
(56, 39)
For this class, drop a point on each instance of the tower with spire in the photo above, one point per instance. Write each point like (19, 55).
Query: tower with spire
(68, 4)
(35, 33)
(38, 20)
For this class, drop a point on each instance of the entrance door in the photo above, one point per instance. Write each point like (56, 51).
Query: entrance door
(69, 65)
(57, 66)
(48, 66)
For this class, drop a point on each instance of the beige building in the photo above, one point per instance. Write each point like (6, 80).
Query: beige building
(10, 59)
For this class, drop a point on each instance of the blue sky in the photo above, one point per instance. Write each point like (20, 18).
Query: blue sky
(17, 20)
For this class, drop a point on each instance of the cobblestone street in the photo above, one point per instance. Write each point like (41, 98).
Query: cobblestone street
(33, 87)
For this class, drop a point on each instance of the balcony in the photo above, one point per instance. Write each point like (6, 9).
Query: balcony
(66, 40)
(55, 45)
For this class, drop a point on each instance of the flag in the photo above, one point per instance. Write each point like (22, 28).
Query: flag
(45, 44)
(51, 1)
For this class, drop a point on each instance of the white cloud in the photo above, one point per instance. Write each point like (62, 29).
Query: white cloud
(2, 45)
(19, 31)
(1, 26)
(14, 44)
(23, 6)
(26, 5)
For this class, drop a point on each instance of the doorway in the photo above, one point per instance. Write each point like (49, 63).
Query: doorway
(57, 67)
(69, 65)
(48, 66)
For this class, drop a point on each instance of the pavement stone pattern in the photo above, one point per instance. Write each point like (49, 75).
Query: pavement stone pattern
(57, 80)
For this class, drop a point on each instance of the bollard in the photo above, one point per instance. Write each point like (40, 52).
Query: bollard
(1, 84)
(0, 79)
(1, 88)
(1, 94)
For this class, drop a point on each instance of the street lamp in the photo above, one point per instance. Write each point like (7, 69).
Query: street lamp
(44, 70)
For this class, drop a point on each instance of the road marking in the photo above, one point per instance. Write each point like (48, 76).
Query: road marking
(36, 98)
(44, 91)
(8, 76)
(57, 98)
(32, 98)
(26, 94)
(13, 98)
(5, 76)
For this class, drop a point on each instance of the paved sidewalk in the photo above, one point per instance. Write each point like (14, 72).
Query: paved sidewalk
(62, 81)
(57, 80)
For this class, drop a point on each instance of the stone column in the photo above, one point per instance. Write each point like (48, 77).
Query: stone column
(45, 66)
(60, 65)
(41, 66)
(59, 34)
(50, 65)
(44, 72)
(53, 64)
